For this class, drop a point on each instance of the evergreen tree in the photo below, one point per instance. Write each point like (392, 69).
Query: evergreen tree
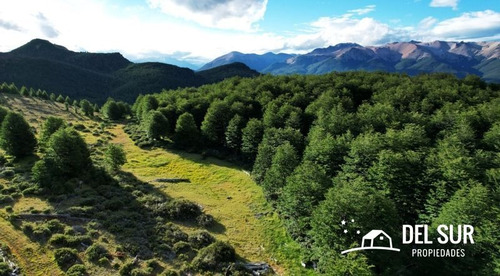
(49, 127)
(111, 110)
(16, 137)
(69, 152)
(304, 190)
(251, 138)
(24, 91)
(233, 133)
(283, 163)
(87, 108)
(3, 113)
(215, 122)
(114, 157)
(186, 133)
(156, 125)
(60, 98)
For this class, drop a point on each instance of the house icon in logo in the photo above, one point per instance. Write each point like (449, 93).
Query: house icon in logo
(374, 240)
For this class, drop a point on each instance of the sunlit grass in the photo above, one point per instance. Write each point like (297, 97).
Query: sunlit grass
(225, 192)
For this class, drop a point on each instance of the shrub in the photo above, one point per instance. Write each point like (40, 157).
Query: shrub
(6, 199)
(214, 257)
(65, 257)
(77, 270)
(95, 252)
(55, 226)
(205, 220)
(7, 173)
(201, 239)
(184, 209)
(169, 273)
(103, 261)
(5, 269)
(126, 268)
(69, 241)
(181, 247)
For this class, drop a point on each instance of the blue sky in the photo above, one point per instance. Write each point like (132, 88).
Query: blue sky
(196, 31)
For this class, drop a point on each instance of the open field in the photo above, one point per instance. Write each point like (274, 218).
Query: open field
(224, 191)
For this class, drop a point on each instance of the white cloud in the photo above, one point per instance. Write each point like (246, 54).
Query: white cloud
(444, 3)
(223, 14)
(346, 28)
(364, 10)
(95, 26)
(470, 25)
(427, 23)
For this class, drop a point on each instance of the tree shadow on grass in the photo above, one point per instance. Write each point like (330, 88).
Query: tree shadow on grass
(136, 214)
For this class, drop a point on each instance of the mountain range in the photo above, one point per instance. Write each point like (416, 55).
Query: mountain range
(97, 76)
(414, 57)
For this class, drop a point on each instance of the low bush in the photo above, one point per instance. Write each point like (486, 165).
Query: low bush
(65, 257)
(201, 239)
(77, 270)
(181, 247)
(6, 199)
(63, 240)
(183, 209)
(5, 269)
(205, 220)
(214, 257)
(95, 252)
(126, 268)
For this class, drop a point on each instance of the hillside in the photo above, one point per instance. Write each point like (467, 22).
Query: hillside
(341, 154)
(122, 218)
(458, 58)
(96, 76)
(254, 61)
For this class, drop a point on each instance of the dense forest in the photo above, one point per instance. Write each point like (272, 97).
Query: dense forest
(377, 150)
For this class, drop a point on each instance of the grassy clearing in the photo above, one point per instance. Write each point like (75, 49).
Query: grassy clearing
(225, 192)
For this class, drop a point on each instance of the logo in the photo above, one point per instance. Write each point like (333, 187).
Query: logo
(374, 240)
(418, 236)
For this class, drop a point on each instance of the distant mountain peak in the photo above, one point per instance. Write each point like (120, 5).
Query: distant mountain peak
(41, 48)
(411, 57)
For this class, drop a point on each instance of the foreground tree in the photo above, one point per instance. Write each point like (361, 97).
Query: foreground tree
(69, 152)
(51, 125)
(67, 157)
(16, 137)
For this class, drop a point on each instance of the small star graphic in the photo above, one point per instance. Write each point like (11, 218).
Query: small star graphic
(345, 231)
(343, 222)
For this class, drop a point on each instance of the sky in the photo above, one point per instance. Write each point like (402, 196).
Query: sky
(193, 32)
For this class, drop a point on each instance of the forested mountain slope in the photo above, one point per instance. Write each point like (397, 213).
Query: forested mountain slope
(341, 154)
(97, 76)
